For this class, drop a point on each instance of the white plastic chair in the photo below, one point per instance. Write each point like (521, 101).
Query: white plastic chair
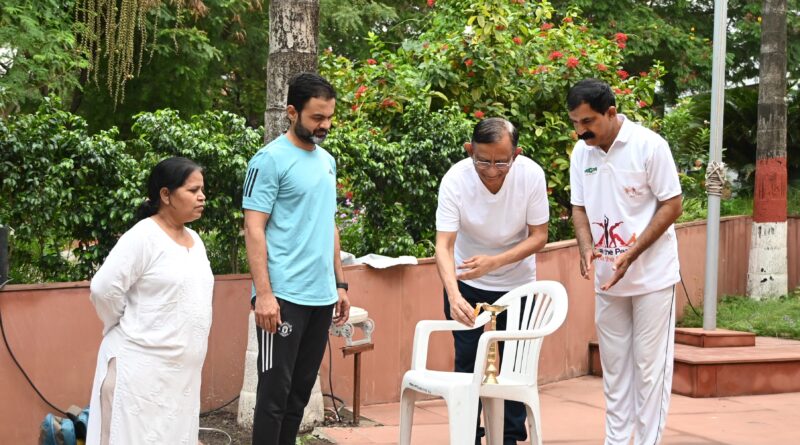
(526, 327)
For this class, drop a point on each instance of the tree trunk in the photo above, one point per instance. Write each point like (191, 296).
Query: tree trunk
(293, 32)
(767, 270)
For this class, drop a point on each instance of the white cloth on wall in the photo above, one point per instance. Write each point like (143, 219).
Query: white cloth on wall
(154, 299)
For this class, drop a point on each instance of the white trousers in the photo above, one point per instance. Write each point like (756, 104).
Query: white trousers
(637, 347)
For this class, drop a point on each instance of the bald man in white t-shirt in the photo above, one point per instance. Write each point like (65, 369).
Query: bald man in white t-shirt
(491, 219)
(625, 197)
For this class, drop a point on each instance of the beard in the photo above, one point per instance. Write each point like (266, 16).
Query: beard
(306, 135)
(586, 136)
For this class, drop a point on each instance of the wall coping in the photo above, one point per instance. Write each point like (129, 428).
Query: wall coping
(556, 245)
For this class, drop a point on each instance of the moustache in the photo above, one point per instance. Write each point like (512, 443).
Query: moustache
(586, 136)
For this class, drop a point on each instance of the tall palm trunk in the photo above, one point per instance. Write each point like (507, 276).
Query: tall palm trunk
(293, 31)
(767, 270)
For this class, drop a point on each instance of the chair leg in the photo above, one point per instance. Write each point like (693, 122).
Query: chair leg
(534, 419)
(462, 413)
(493, 419)
(407, 400)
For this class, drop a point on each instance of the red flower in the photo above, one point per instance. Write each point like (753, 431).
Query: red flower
(478, 114)
(567, 20)
(584, 28)
(643, 74)
(627, 91)
(546, 26)
(555, 55)
(431, 3)
(500, 27)
(471, 74)
(445, 47)
(601, 67)
(621, 37)
(388, 103)
(617, 91)
(621, 45)
(348, 195)
(642, 104)
(517, 40)
(572, 62)
(371, 61)
(539, 69)
(583, 52)
(468, 62)
(354, 107)
(360, 91)
(622, 74)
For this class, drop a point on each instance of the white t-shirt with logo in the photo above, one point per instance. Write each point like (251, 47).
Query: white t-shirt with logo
(489, 224)
(620, 190)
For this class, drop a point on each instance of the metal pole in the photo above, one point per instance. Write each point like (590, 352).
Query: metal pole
(714, 157)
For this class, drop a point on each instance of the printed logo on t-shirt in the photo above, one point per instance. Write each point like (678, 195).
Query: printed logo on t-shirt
(330, 171)
(590, 170)
(633, 192)
(610, 244)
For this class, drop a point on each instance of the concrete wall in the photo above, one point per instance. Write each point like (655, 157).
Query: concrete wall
(55, 334)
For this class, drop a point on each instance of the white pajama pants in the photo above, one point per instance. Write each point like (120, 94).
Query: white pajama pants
(637, 345)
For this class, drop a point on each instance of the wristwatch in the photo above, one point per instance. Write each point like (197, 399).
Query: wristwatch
(342, 286)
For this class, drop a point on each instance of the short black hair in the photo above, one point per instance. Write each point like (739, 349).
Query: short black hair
(493, 129)
(170, 173)
(304, 86)
(594, 92)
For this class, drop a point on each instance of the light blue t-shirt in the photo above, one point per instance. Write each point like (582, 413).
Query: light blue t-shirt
(298, 189)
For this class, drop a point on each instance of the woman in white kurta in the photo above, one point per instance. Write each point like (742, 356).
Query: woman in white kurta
(153, 295)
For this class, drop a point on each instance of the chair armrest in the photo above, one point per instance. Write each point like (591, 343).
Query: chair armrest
(491, 336)
(425, 328)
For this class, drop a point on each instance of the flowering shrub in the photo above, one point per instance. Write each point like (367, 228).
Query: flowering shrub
(514, 59)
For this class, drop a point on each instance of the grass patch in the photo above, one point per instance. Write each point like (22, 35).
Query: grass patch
(779, 317)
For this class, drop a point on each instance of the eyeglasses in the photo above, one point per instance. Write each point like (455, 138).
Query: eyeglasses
(484, 165)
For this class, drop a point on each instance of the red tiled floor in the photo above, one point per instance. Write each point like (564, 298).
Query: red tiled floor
(572, 413)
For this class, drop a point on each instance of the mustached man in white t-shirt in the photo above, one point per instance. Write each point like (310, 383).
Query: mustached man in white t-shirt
(491, 219)
(625, 197)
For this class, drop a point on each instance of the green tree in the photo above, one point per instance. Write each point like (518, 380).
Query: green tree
(479, 58)
(679, 32)
(38, 53)
(197, 63)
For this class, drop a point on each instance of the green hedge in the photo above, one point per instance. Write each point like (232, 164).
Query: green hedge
(68, 195)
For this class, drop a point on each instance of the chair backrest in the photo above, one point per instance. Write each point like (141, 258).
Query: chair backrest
(539, 306)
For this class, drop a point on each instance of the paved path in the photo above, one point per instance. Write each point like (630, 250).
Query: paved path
(572, 412)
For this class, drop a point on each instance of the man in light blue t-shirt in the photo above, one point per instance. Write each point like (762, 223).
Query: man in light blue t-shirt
(293, 249)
